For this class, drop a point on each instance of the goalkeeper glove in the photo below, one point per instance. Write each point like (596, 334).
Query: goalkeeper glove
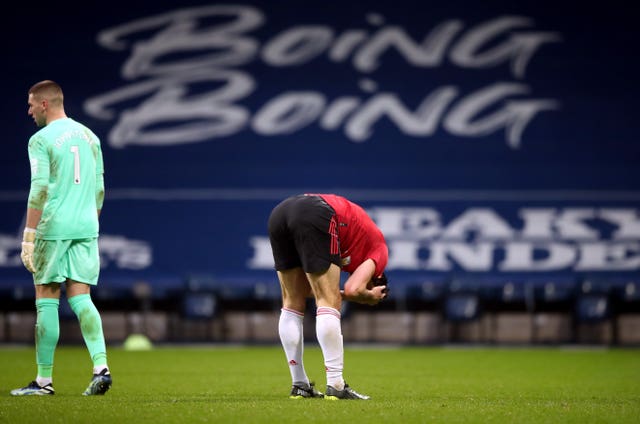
(28, 239)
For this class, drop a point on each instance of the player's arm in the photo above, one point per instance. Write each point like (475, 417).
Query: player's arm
(358, 287)
(99, 192)
(37, 198)
(99, 176)
(33, 218)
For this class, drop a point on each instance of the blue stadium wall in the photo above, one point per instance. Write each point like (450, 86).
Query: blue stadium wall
(487, 139)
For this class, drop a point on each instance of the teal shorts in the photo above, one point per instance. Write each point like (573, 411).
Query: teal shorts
(59, 260)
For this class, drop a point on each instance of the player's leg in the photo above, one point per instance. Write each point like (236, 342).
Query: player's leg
(84, 269)
(90, 321)
(47, 330)
(295, 290)
(326, 289)
(47, 334)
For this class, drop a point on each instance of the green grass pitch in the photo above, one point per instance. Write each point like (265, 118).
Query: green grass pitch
(229, 384)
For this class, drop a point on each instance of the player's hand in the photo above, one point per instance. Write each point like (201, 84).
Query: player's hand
(375, 295)
(379, 286)
(380, 293)
(28, 245)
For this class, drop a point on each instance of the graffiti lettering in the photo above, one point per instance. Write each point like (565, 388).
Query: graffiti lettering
(184, 48)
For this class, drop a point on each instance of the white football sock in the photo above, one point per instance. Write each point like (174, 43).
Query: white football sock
(43, 381)
(291, 336)
(99, 368)
(329, 333)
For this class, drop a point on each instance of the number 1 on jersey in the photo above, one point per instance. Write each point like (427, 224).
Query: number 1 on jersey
(76, 164)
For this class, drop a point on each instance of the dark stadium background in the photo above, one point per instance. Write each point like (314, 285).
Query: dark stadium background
(182, 207)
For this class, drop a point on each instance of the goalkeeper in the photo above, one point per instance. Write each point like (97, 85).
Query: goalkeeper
(60, 241)
(313, 237)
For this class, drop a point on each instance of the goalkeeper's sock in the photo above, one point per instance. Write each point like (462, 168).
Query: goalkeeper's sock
(91, 328)
(100, 368)
(43, 381)
(329, 335)
(47, 335)
(292, 338)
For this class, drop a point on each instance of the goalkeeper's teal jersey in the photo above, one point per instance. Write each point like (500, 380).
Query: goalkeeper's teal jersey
(66, 159)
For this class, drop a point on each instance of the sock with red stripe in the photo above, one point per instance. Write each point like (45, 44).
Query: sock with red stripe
(329, 333)
(291, 337)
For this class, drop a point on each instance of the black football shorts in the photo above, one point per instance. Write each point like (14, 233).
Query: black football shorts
(303, 233)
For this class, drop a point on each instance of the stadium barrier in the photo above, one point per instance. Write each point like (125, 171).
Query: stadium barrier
(462, 309)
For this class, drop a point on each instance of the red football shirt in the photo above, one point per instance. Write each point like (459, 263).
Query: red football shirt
(358, 236)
